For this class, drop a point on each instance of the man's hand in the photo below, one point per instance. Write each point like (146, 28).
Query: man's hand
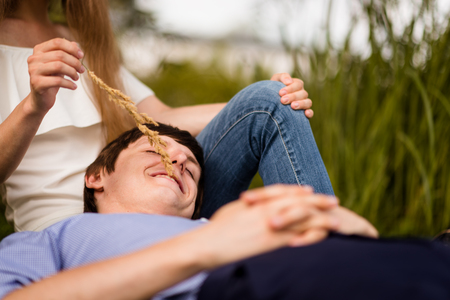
(296, 209)
(346, 221)
(352, 223)
(288, 216)
(294, 93)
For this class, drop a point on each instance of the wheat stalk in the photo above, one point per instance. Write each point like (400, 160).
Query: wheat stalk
(126, 103)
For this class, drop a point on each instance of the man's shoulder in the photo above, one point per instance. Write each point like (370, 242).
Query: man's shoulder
(113, 228)
(92, 237)
(120, 227)
(125, 219)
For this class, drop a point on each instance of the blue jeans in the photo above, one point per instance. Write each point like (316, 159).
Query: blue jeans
(255, 132)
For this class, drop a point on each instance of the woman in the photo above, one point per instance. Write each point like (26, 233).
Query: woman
(51, 128)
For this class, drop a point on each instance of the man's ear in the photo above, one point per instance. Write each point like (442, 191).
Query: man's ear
(94, 181)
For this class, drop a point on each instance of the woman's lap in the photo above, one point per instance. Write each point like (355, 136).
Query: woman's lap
(256, 132)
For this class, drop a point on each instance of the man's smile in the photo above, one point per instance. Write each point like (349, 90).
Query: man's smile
(164, 175)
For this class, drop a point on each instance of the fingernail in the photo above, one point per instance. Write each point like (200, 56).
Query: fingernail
(285, 99)
(288, 80)
(80, 54)
(295, 105)
(283, 92)
(82, 69)
(74, 86)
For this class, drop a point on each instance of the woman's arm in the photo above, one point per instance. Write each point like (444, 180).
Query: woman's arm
(195, 118)
(190, 118)
(48, 65)
(16, 134)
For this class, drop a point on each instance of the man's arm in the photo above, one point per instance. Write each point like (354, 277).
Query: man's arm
(138, 275)
(236, 231)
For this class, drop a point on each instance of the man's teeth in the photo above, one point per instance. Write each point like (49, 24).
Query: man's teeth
(168, 177)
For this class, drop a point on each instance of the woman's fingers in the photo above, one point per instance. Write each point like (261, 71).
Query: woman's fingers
(309, 113)
(296, 86)
(60, 44)
(44, 83)
(294, 93)
(284, 78)
(57, 68)
(55, 58)
(63, 57)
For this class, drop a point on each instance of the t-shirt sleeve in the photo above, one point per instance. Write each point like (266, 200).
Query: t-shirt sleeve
(133, 87)
(26, 257)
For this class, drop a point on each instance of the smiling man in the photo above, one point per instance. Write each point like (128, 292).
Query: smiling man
(143, 243)
(139, 172)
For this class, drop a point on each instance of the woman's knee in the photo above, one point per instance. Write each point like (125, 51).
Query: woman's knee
(259, 95)
(267, 85)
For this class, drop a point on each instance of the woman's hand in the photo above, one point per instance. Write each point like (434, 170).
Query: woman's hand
(294, 93)
(50, 63)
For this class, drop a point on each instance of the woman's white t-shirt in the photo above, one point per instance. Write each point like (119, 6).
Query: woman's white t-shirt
(48, 184)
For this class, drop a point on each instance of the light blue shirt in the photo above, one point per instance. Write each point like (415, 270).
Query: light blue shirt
(27, 257)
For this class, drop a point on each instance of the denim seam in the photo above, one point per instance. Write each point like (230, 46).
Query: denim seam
(279, 131)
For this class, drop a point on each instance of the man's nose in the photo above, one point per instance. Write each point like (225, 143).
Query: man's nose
(179, 159)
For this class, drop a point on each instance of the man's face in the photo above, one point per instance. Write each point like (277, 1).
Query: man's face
(141, 184)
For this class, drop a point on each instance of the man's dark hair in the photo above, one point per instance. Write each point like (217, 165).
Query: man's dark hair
(107, 158)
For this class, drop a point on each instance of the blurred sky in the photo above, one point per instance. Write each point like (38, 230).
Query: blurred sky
(300, 20)
(263, 18)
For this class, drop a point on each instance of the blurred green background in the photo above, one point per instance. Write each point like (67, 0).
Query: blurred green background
(382, 118)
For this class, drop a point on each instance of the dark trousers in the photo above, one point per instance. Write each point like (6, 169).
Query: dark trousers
(338, 268)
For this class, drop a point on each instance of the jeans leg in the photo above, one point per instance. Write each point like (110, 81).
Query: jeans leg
(256, 132)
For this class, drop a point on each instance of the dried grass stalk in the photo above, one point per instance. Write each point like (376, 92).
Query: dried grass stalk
(126, 103)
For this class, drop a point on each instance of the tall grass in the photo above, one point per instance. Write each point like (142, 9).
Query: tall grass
(382, 123)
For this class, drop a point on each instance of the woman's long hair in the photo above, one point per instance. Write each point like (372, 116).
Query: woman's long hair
(7, 7)
(89, 21)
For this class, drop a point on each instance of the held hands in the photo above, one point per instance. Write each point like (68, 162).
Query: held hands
(272, 217)
(48, 65)
(294, 93)
(311, 215)
(297, 210)
(266, 219)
